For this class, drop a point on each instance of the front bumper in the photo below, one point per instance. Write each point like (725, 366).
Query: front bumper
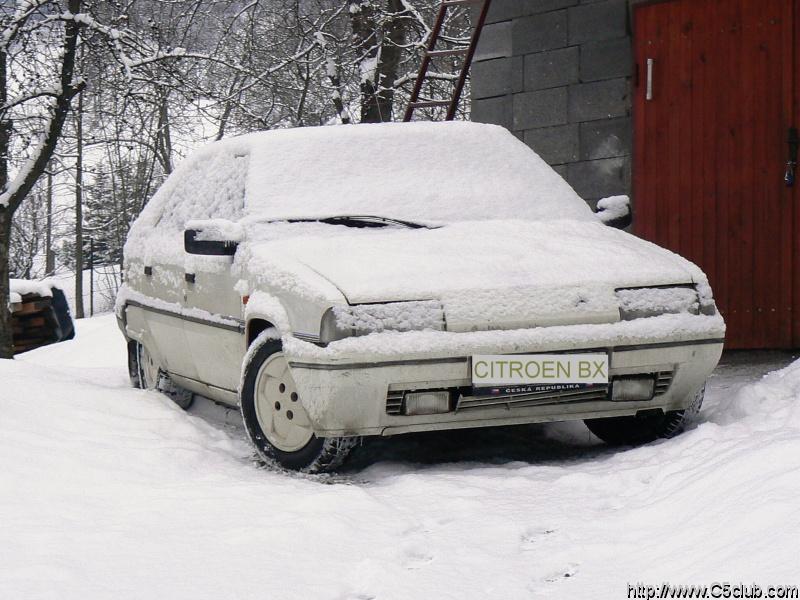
(346, 394)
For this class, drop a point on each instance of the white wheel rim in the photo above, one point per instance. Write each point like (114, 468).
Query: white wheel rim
(149, 370)
(279, 411)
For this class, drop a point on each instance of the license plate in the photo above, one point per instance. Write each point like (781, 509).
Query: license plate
(521, 373)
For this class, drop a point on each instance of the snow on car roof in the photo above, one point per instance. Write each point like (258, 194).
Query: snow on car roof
(452, 171)
(428, 172)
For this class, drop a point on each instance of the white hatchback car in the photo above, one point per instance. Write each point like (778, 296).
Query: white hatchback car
(373, 280)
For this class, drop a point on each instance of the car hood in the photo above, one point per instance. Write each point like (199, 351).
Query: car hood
(515, 271)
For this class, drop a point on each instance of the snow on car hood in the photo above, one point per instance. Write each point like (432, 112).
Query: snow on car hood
(511, 269)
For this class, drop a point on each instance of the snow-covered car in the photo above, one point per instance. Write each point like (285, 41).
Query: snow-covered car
(373, 280)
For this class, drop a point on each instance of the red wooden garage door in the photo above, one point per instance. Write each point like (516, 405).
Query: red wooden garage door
(711, 146)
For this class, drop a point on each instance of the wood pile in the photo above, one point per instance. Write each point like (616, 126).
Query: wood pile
(34, 323)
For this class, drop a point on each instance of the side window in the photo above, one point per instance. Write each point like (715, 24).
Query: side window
(211, 188)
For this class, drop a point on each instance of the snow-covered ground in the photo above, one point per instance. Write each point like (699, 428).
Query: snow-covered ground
(111, 492)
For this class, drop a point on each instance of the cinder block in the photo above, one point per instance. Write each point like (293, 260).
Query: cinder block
(501, 10)
(561, 170)
(539, 32)
(491, 78)
(556, 145)
(493, 110)
(599, 100)
(606, 60)
(517, 74)
(596, 179)
(495, 42)
(544, 108)
(531, 7)
(598, 21)
(553, 68)
(607, 138)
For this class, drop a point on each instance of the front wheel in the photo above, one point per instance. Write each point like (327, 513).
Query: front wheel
(277, 422)
(645, 427)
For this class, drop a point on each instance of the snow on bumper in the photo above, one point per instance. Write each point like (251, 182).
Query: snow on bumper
(344, 386)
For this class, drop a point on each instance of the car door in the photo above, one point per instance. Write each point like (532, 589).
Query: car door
(156, 276)
(215, 333)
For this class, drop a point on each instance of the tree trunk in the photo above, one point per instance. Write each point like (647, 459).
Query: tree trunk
(49, 256)
(380, 47)
(6, 340)
(164, 134)
(28, 178)
(79, 212)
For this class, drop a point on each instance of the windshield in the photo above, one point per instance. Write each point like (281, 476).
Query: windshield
(420, 173)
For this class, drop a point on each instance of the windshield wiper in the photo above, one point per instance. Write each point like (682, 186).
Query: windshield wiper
(360, 221)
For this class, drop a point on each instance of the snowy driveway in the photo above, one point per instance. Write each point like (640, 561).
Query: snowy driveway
(106, 491)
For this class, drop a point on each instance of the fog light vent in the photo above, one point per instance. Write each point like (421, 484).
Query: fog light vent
(427, 403)
(627, 389)
(394, 402)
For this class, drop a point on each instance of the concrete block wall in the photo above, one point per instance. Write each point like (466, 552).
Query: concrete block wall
(557, 73)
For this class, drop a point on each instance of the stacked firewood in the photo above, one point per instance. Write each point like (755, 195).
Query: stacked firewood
(34, 323)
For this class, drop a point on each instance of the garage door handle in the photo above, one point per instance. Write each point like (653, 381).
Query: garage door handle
(648, 94)
(791, 164)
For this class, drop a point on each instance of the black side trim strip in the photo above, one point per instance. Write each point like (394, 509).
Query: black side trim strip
(239, 327)
(426, 361)
(375, 365)
(216, 387)
(307, 337)
(668, 345)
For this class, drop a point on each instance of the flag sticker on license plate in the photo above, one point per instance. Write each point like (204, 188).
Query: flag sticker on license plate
(490, 370)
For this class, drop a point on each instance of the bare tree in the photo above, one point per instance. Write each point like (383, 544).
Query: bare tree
(152, 73)
(39, 42)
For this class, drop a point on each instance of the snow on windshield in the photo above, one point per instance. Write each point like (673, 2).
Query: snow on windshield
(430, 172)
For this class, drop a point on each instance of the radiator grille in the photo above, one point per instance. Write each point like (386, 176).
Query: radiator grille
(394, 398)
(599, 392)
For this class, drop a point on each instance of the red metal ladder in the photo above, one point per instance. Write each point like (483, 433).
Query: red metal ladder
(431, 52)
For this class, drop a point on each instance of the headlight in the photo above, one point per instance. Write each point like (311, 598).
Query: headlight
(340, 322)
(638, 303)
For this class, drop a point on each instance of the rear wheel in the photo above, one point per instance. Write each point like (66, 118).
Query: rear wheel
(277, 422)
(645, 427)
(147, 374)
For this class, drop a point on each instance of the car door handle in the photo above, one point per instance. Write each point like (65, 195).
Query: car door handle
(188, 277)
(791, 164)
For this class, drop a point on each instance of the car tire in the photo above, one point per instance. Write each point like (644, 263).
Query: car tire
(646, 426)
(275, 419)
(146, 374)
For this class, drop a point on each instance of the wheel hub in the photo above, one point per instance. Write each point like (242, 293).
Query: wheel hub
(280, 413)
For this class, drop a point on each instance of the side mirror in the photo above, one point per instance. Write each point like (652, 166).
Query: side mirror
(213, 237)
(615, 211)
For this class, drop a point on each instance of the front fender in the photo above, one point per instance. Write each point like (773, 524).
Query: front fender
(266, 307)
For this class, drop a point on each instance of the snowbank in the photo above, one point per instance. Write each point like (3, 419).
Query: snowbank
(109, 491)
